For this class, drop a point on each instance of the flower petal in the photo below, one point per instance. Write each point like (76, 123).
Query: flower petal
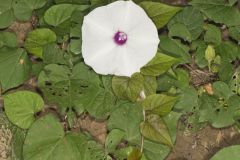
(101, 52)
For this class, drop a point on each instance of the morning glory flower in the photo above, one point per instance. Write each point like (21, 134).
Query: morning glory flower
(118, 39)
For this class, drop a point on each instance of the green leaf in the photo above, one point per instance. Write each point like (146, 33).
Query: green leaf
(234, 32)
(72, 1)
(180, 79)
(37, 39)
(76, 46)
(23, 8)
(228, 51)
(97, 3)
(7, 15)
(153, 150)
(53, 143)
(99, 102)
(175, 48)
(150, 85)
(156, 130)
(113, 139)
(223, 103)
(225, 71)
(135, 154)
(61, 13)
(213, 34)
(210, 54)
(64, 87)
(21, 106)
(219, 11)
(232, 2)
(158, 65)
(8, 39)
(159, 104)
(187, 24)
(188, 99)
(128, 88)
(231, 152)
(160, 13)
(14, 67)
(179, 30)
(95, 151)
(127, 117)
(200, 53)
(53, 54)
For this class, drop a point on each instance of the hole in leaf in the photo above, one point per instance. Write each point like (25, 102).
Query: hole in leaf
(48, 83)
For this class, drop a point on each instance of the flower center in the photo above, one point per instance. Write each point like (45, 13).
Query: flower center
(120, 38)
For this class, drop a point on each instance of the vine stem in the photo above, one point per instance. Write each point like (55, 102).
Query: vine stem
(142, 97)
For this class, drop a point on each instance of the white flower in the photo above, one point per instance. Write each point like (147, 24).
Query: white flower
(118, 39)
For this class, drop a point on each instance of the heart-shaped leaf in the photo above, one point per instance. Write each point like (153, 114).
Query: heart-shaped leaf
(53, 143)
(21, 106)
(231, 152)
(37, 39)
(64, 87)
(58, 14)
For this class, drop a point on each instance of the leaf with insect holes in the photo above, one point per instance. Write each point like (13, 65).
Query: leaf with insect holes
(64, 87)
(223, 103)
(21, 106)
(113, 139)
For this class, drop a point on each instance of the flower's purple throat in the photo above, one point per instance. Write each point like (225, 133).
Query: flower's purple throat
(120, 38)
